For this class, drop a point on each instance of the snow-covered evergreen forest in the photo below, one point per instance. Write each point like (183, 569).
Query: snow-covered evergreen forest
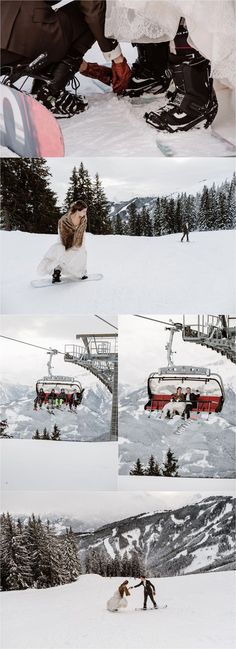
(29, 204)
(33, 556)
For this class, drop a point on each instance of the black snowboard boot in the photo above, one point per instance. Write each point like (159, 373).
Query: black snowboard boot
(150, 72)
(56, 277)
(193, 102)
(50, 90)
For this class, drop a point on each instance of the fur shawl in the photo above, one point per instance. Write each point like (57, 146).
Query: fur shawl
(71, 235)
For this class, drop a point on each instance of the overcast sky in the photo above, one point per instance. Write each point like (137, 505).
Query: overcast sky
(23, 364)
(125, 178)
(109, 506)
(142, 350)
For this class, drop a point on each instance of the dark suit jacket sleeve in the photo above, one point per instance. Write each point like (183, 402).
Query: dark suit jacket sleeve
(94, 13)
(152, 585)
(137, 585)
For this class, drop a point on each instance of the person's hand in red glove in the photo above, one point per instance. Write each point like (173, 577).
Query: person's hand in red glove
(95, 71)
(121, 75)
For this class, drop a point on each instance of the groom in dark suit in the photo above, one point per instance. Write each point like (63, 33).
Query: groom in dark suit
(149, 591)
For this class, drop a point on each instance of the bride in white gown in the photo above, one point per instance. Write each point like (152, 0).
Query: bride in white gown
(210, 23)
(68, 255)
(118, 600)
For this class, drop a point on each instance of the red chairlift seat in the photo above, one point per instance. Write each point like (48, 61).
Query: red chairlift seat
(196, 378)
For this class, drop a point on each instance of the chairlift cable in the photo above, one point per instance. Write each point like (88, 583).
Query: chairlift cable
(23, 342)
(106, 321)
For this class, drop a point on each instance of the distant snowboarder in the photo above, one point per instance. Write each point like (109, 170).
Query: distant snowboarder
(149, 591)
(185, 231)
(69, 254)
(118, 600)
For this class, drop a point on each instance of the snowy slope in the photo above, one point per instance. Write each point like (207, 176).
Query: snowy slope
(27, 464)
(204, 449)
(90, 422)
(140, 273)
(195, 538)
(199, 615)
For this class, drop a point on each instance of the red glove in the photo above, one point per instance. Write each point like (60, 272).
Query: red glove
(121, 75)
(100, 72)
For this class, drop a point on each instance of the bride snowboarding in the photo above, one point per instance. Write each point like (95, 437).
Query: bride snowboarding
(68, 256)
(118, 600)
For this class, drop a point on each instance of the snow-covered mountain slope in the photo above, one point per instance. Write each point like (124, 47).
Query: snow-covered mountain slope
(199, 615)
(90, 422)
(45, 465)
(140, 273)
(193, 538)
(203, 448)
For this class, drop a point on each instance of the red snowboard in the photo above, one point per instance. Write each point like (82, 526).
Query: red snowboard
(27, 127)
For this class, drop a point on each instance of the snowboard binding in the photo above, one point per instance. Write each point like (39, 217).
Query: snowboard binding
(193, 103)
(56, 277)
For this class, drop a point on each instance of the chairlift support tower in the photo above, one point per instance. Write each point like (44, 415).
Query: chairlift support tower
(98, 353)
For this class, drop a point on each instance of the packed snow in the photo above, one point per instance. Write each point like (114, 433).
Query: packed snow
(199, 615)
(140, 273)
(116, 126)
(45, 465)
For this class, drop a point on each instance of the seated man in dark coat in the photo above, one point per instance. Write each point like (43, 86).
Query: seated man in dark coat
(32, 28)
(191, 400)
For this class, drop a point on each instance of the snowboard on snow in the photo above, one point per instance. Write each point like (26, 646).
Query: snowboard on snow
(26, 127)
(152, 609)
(47, 281)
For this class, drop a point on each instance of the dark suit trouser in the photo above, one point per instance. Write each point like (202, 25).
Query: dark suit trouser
(146, 595)
(185, 235)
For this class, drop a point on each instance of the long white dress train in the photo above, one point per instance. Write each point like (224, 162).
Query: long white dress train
(72, 262)
(116, 601)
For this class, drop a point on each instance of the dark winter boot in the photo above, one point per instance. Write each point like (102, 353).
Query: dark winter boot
(150, 72)
(84, 277)
(193, 102)
(50, 91)
(56, 277)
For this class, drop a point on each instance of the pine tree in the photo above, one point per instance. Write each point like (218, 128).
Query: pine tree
(71, 556)
(157, 230)
(74, 192)
(3, 428)
(147, 227)
(170, 465)
(101, 222)
(36, 435)
(45, 434)
(138, 468)
(56, 433)
(118, 227)
(152, 467)
(157, 469)
(28, 202)
(132, 218)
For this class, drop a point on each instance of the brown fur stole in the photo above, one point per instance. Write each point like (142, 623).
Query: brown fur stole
(71, 235)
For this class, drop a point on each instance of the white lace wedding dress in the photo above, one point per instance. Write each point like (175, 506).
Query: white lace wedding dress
(72, 262)
(211, 26)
